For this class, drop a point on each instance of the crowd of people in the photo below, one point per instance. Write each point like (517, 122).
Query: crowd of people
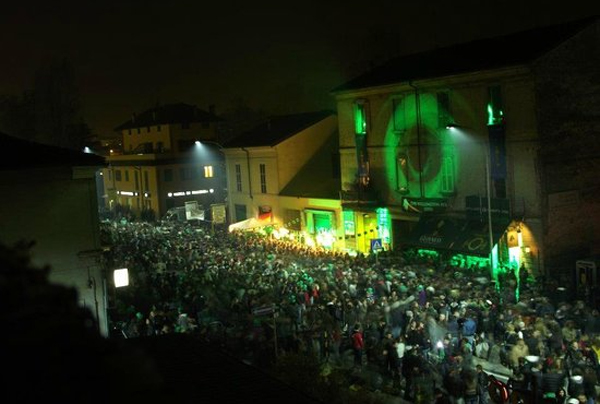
(418, 320)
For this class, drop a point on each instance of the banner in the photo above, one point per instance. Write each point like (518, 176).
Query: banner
(497, 151)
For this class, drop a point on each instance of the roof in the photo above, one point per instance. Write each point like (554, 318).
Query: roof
(197, 372)
(319, 166)
(276, 129)
(485, 54)
(27, 154)
(168, 114)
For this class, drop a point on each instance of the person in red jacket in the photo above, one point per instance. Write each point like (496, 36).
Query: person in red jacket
(358, 345)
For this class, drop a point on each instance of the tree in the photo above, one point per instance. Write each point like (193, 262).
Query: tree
(52, 350)
(58, 119)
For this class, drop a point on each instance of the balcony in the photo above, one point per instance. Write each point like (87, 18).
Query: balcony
(356, 198)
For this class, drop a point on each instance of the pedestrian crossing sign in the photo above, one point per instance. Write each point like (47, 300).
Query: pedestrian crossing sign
(376, 245)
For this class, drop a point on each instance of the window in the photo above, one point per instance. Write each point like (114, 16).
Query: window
(402, 173)
(146, 182)
(110, 175)
(360, 117)
(126, 175)
(443, 106)
(137, 179)
(158, 128)
(208, 171)
(494, 106)
(263, 178)
(292, 219)
(448, 174)
(398, 112)
(139, 131)
(118, 175)
(187, 173)
(240, 212)
(148, 129)
(238, 177)
(168, 174)
(129, 131)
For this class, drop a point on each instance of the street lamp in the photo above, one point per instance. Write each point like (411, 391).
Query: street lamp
(459, 129)
(218, 210)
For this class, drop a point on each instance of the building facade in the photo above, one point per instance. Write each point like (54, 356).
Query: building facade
(57, 212)
(284, 172)
(171, 156)
(450, 148)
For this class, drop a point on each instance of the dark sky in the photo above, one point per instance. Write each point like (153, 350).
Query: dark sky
(278, 56)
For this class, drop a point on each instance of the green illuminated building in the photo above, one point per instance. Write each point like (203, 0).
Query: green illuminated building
(444, 150)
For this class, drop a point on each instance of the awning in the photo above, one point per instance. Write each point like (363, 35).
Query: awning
(460, 235)
(248, 224)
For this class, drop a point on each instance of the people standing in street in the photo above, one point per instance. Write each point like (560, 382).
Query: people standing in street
(358, 345)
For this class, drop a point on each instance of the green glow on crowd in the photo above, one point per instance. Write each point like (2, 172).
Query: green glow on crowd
(383, 224)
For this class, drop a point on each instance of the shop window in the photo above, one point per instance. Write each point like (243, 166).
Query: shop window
(292, 219)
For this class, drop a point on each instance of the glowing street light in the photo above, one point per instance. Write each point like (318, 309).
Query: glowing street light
(121, 277)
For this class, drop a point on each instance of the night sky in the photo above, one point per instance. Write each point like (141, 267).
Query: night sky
(281, 57)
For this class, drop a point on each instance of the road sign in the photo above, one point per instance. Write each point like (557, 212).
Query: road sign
(376, 245)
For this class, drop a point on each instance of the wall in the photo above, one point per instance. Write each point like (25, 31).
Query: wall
(58, 211)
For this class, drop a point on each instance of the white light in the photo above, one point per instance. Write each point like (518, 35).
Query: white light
(101, 173)
(439, 345)
(170, 194)
(87, 150)
(211, 190)
(181, 193)
(197, 143)
(127, 193)
(199, 192)
(121, 277)
(188, 192)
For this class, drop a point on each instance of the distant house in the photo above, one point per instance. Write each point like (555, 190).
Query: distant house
(483, 149)
(170, 155)
(285, 171)
(49, 198)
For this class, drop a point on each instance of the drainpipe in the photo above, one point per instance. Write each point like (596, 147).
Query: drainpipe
(249, 176)
(418, 117)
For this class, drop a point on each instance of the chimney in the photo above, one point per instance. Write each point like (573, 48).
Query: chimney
(211, 109)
